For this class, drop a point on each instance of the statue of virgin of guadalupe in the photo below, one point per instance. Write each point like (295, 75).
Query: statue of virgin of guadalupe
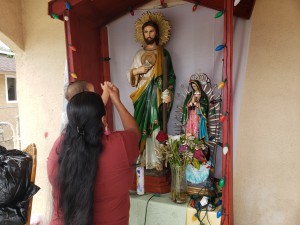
(195, 112)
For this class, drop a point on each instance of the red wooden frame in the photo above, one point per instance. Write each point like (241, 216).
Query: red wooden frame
(227, 191)
(91, 44)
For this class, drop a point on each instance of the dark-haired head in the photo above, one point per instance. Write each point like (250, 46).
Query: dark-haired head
(85, 111)
(78, 157)
(197, 83)
(77, 87)
(155, 26)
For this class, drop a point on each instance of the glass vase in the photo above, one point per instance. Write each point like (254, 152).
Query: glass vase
(178, 184)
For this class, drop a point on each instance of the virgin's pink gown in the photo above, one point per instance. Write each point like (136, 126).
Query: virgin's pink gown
(192, 126)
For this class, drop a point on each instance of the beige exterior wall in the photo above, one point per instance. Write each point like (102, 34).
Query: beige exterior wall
(267, 178)
(11, 24)
(266, 181)
(40, 72)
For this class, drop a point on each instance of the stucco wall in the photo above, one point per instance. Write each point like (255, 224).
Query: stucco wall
(40, 80)
(11, 23)
(266, 178)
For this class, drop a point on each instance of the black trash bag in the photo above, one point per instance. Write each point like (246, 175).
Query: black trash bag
(15, 187)
(15, 171)
(17, 214)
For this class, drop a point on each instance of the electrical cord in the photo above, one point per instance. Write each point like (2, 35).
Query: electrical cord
(154, 195)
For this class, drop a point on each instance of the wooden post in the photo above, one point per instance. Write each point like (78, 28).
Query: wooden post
(227, 173)
(69, 42)
(105, 72)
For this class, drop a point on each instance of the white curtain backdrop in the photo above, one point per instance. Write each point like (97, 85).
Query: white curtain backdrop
(194, 37)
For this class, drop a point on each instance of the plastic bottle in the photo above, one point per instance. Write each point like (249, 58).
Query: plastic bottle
(140, 180)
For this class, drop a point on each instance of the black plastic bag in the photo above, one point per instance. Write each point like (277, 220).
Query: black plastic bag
(15, 187)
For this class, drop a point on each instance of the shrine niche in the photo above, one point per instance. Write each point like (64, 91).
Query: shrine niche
(87, 37)
(89, 58)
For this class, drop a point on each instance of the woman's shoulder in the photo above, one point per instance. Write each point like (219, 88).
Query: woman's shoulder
(122, 141)
(127, 139)
(126, 134)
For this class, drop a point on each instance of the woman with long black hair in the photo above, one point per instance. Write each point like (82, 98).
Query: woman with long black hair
(91, 172)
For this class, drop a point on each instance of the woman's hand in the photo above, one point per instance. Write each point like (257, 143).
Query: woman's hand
(127, 119)
(105, 93)
(113, 92)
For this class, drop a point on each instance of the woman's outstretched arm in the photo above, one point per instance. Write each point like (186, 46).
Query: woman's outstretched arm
(127, 119)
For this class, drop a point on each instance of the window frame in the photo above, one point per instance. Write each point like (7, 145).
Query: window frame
(6, 89)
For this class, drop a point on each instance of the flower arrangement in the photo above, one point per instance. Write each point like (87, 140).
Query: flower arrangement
(180, 150)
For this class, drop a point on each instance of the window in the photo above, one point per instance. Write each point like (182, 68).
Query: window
(11, 89)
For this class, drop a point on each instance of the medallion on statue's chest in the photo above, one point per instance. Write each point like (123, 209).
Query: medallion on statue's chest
(148, 59)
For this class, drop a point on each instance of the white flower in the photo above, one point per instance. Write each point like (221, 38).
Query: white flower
(191, 138)
(175, 137)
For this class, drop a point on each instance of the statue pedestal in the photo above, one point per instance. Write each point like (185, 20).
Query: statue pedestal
(155, 181)
(158, 181)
